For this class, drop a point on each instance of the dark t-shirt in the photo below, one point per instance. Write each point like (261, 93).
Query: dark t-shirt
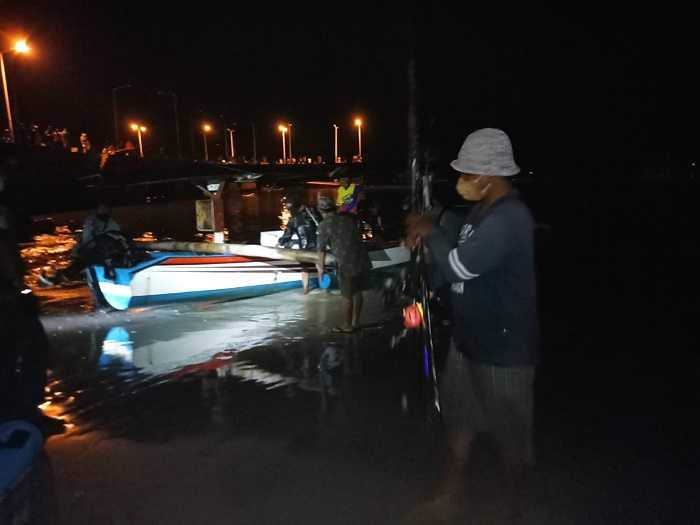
(340, 233)
(492, 273)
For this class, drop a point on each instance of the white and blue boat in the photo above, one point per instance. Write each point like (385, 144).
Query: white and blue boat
(177, 276)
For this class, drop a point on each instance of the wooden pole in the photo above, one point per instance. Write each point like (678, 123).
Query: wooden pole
(246, 250)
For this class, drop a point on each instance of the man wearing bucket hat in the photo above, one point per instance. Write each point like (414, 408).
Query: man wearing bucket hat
(487, 381)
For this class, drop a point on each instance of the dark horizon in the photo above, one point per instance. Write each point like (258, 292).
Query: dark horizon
(579, 89)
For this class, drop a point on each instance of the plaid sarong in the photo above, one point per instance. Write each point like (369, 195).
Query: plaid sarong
(497, 400)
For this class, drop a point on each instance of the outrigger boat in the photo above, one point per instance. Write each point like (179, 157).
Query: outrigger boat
(176, 272)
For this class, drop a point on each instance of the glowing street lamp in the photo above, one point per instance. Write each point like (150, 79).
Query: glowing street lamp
(20, 47)
(358, 123)
(284, 145)
(139, 129)
(291, 157)
(206, 128)
(336, 144)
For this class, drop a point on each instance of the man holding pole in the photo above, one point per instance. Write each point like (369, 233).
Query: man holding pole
(487, 382)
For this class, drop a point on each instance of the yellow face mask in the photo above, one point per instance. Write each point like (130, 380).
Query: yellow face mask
(469, 191)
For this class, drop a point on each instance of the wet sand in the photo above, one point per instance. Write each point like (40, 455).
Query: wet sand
(225, 420)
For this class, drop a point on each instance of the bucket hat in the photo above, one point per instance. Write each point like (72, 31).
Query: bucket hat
(487, 151)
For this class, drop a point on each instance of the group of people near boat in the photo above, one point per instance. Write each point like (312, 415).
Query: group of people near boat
(333, 225)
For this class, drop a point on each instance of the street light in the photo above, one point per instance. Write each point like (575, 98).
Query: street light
(336, 144)
(177, 122)
(230, 135)
(20, 47)
(358, 123)
(114, 107)
(291, 157)
(206, 128)
(255, 151)
(284, 145)
(138, 129)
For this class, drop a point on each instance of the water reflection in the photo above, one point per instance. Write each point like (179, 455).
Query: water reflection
(107, 364)
(180, 358)
(118, 351)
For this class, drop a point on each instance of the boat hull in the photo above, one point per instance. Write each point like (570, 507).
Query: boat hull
(189, 277)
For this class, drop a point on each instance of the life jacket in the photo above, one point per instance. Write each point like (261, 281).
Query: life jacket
(348, 198)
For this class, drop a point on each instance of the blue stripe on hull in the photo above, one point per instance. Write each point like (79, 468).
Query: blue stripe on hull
(123, 303)
(230, 294)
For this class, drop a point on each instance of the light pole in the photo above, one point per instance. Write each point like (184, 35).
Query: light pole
(230, 136)
(114, 107)
(177, 121)
(335, 161)
(20, 47)
(291, 157)
(206, 128)
(358, 123)
(138, 129)
(255, 151)
(284, 145)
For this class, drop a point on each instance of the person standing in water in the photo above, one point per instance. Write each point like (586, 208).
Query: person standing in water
(487, 382)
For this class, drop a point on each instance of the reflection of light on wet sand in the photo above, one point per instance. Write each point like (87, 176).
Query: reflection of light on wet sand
(172, 344)
(199, 351)
(192, 348)
(57, 411)
(248, 372)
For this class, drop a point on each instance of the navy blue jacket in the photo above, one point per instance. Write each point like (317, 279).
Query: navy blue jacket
(493, 286)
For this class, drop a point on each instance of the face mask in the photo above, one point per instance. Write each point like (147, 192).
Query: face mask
(469, 191)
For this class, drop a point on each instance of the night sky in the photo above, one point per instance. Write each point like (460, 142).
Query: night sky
(581, 87)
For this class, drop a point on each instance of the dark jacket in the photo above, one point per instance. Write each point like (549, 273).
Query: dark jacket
(303, 223)
(493, 283)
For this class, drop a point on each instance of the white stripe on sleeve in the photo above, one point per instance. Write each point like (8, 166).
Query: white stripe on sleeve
(458, 267)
